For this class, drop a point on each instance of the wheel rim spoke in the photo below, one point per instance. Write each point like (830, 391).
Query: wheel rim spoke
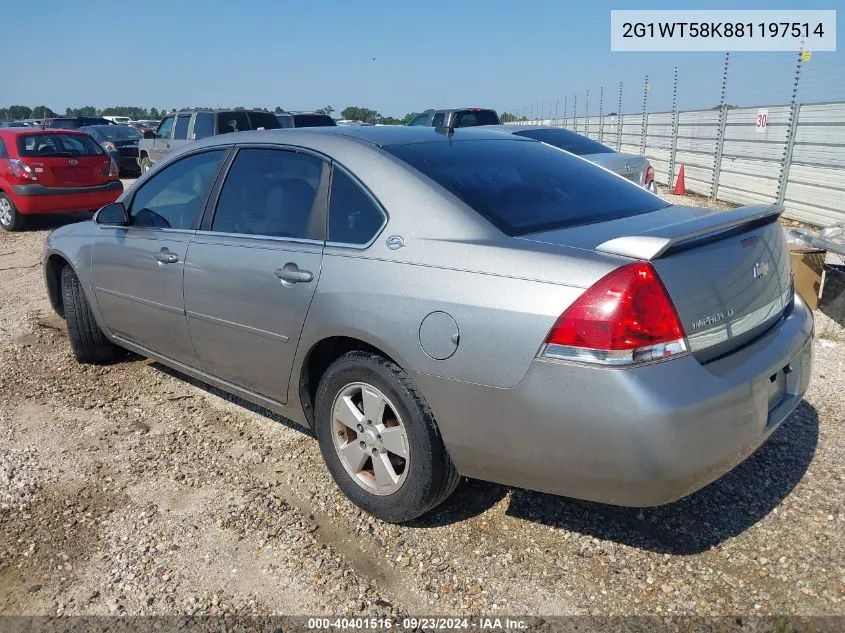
(348, 414)
(393, 439)
(374, 405)
(353, 454)
(383, 470)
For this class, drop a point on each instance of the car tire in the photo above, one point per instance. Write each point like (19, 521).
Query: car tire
(10, 218)
(146, 164)
(427, 476)
(89, 344)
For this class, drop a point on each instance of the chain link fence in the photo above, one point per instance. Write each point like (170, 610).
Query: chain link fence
(788, 151)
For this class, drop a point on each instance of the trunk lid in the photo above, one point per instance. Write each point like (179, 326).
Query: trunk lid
(61, 159)
(727, 273)
(628, 166)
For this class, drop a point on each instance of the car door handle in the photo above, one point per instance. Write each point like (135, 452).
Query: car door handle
(291, 274)
(166, 257)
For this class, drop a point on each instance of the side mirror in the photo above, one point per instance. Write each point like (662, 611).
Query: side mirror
(113, 214)
(149, 134)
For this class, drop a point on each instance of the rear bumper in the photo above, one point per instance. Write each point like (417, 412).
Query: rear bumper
(635, 437)
(41, 199)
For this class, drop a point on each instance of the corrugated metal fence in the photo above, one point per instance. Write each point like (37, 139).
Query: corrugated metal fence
(797, 158)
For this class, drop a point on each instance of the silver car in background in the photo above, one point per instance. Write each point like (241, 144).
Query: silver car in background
(634, 167)
(439, 303)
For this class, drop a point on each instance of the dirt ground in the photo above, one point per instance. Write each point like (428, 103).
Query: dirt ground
(130, 489)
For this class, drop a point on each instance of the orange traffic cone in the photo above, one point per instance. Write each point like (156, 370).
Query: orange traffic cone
(680, 185)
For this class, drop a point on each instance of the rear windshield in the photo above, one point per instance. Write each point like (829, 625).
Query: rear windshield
(267, 120)
(566, 140)
(524, 187)
(469, 118)
(56, 145)
(313, 120)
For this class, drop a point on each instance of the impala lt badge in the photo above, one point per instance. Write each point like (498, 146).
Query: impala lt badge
(761, 269)
(712, 319)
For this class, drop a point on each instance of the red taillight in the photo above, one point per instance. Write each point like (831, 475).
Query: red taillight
(21, 170)
(626, 317)
(649, 174)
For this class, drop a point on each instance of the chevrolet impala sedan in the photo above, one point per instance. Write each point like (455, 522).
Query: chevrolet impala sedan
(444, 303)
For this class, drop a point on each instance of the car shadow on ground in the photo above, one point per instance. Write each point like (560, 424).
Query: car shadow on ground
(725, 508)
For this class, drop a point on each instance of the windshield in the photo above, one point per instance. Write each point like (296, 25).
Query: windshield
(313, 120)
(524, 187)
(56, 145)
(566, 140)
(112, 132)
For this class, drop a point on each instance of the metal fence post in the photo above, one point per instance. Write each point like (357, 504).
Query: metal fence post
(675, 116)
(575, 112)
(587, 115)
(720, 134)
(565, 99)
(644, 128)
(792, 127)
(619, 119)
(557, 104)
(601, 114)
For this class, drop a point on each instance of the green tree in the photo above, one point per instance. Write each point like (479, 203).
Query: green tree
(356, 113)
(409, 117)
(20, 112)
(327, 110)
(389, 120)
(154, 113)
(507, 117)
(278, 109)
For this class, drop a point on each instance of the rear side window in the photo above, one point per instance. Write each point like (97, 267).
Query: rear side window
(285, 120)
(3, 152)
(353, 216)
(313, 120)
(566, 140)
(204, 125)
(181, 133)
(421, 120)
(232, 122)
(172, 199)
(271, 193)
(57, 145)
(438, 119)
(525, 187)
(267, 120)
(469, 118)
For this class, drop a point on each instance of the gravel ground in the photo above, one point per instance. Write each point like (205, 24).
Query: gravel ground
(130, 489)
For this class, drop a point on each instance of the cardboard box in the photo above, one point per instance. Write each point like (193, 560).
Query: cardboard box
(807, 265)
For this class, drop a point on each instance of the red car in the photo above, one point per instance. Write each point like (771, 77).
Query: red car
(52, 171)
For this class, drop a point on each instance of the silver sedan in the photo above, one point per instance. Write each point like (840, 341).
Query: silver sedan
(439, 303)
(634, 167)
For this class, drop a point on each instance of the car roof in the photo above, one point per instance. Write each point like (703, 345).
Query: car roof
(384, 136)
(20, 131)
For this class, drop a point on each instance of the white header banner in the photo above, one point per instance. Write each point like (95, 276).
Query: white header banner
(723, 30)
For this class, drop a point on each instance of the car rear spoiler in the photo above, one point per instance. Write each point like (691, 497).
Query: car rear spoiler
(654, 243)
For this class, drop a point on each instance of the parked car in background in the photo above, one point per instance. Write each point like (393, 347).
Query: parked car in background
(145, 126)
(72, 123)
(547, 325)
(13, 124)
(52, 171)
(119, 120)
(121, 143)
(305, 119)
(352, 122)
(179, 128)
(456, 117)
(633, 167)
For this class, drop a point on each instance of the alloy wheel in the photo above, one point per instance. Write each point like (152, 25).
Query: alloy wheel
(5, 212)
(370, 438)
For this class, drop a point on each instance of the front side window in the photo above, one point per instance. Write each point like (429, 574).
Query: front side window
(438, 119)
(267, 120)
(173, 198)
(271, 193)
(353, 216)
(181, 133)
(3, 152)
(204, 125)
(165, 129)
(421, 120)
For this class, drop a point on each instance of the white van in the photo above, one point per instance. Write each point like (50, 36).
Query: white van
(120, 120)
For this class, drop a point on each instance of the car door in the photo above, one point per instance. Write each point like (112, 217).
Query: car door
(138, 269)
(161, 143)
(253, 267)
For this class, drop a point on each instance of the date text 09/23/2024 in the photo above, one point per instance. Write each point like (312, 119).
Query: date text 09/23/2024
(415, 624)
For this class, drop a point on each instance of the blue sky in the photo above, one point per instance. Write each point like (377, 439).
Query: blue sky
(395, 57)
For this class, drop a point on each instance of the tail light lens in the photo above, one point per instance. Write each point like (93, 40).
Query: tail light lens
(627, 317)
(21, 170)
(649, 174)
